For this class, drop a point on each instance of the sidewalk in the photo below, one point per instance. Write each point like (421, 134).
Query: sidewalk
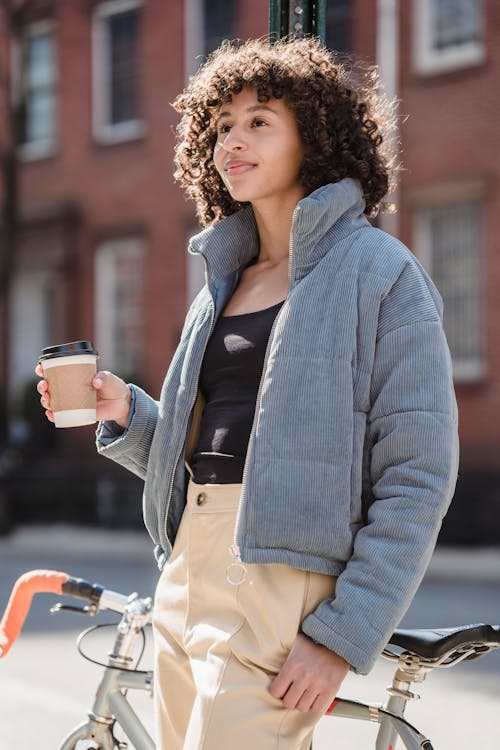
(77, 542)
(465, 564)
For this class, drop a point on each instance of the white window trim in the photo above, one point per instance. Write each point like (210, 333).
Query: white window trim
(194, 32)
(104, 270)
(103, 132)
(29, 322)
(464, 371)
(34, 150)
(429, 62)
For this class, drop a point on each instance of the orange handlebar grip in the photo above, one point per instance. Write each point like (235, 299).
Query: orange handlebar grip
(29, 584)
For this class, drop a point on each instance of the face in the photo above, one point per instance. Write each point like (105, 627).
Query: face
(258, 153)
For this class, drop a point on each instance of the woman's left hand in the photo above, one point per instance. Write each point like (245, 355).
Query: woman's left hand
(310, 677)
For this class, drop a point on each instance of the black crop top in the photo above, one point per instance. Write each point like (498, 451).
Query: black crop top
(229, 381)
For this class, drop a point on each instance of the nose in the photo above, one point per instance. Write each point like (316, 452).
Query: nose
(233, 141)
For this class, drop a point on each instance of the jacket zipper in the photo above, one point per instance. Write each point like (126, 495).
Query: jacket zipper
(236, 570)
(183, 443)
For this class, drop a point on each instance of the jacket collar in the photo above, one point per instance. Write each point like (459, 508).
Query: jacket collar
(320, 220)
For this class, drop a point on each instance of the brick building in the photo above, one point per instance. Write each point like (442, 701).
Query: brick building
(449, 69)
(103, 227)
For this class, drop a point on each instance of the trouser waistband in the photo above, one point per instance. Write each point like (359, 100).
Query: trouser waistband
(213, 497)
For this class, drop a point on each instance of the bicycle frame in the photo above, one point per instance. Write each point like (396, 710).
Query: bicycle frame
(110, 705)
(392, 726)
(417, 652)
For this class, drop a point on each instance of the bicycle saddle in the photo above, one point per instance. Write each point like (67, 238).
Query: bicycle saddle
(435, 643)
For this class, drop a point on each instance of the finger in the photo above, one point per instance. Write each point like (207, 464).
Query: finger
(280, 684)
(101, 378)
(45, 401)
(322, 703)
(50, 415)
(42, 386)
(294, 696)
(308, 701)
(39, 370)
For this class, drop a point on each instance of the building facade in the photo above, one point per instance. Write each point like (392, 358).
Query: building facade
(449, 69)
(103, 228)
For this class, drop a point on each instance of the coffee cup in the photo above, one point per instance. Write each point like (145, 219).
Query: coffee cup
(69, 370)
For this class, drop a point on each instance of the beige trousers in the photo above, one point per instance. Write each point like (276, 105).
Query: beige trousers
(219, 645)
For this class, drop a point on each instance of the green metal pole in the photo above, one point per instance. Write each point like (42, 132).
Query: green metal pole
(278, 19)
(297, 18)
(320, 18)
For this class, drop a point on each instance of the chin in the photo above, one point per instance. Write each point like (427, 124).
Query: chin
(240, 196)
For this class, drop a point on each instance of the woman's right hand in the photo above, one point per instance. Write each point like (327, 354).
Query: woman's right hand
(113, 397)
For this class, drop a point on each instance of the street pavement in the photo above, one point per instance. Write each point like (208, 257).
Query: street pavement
(46, 687)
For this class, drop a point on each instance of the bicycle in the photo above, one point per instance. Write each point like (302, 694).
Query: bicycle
(416, 653)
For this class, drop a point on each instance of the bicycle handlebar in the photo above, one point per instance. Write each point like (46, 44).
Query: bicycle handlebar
(50, 582)
(29, 584)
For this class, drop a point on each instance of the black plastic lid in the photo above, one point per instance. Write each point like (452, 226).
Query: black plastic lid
(67, 350)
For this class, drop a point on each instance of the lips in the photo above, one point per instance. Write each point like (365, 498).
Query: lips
(238, 167)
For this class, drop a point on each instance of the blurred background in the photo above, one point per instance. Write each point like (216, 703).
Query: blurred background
(93, 235)
(93, 230)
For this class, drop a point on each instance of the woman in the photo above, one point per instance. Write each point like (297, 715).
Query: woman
(307, 421)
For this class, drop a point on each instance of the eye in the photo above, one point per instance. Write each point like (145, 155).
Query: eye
(223, 128)
(258, 122)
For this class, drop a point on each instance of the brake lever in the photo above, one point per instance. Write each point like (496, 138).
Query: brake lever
(89, 610)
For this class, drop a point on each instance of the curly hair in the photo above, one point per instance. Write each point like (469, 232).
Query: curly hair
(345, 124)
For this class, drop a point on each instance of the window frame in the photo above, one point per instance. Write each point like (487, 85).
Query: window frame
(34, 150)
(106, 253)
(104, 132)
(465, 370)
(346, 14)
(427, 61)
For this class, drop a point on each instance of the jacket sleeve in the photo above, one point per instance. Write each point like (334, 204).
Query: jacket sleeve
(130, 447)
(412, 445)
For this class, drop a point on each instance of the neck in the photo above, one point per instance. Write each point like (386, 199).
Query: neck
(274, 225)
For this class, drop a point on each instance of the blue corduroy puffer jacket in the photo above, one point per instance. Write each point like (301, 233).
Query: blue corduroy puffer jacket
(353, 455)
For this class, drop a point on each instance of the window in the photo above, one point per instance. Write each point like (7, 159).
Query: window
(206, 24)
(448, 34)
(31, 302)
(34, 83)
(338, 25)
(219, 17)
(448, 241)
(116, 72)
(119, 305)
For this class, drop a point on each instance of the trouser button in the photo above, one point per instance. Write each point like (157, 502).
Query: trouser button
(201, 498)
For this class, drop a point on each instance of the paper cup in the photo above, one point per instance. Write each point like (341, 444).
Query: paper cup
(69, 370)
